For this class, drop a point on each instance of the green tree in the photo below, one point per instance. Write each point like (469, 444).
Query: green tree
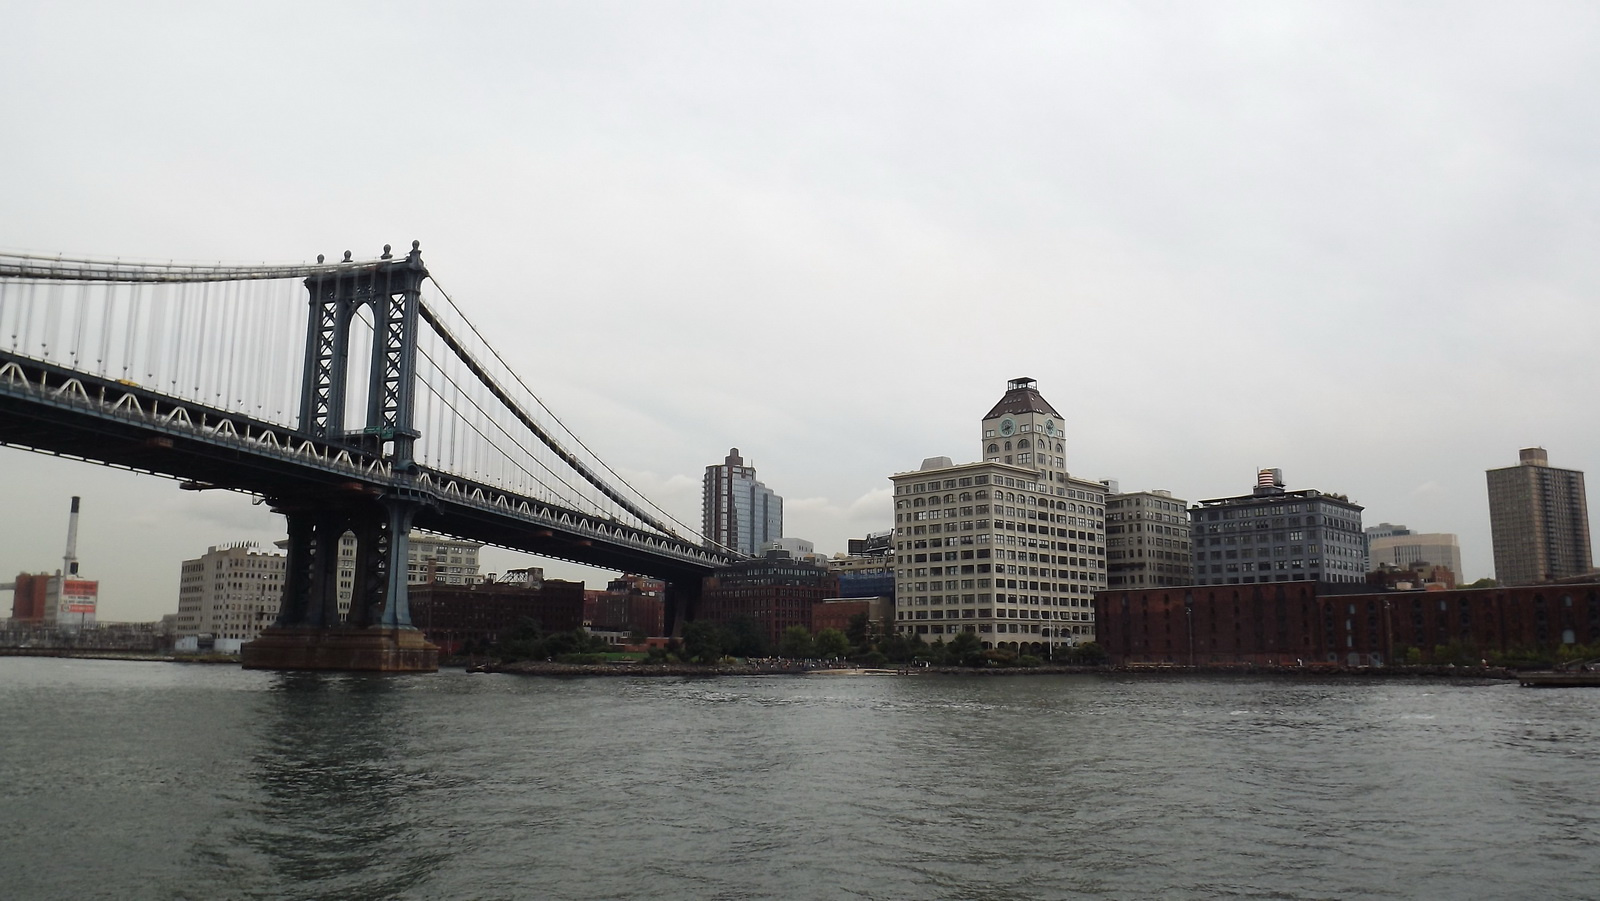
(1484, 582)
(1455, 653)
(859, 631)
(744, 638)
(1090, 653)
(796, 643)
(965, 650)
(831, 643)
(901, 648)
(702, 642)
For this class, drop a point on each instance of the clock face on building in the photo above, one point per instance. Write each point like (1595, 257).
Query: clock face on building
(1049, 426)
(1008, 426)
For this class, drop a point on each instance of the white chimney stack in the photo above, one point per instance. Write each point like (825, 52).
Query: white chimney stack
(71, 558)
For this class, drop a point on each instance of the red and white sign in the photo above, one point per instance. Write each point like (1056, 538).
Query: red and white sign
(79, 595)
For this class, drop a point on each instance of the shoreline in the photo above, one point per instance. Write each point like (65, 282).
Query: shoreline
(688, 670)
(550, 669)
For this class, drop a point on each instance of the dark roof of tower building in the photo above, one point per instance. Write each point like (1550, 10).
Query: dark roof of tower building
(1022, 397)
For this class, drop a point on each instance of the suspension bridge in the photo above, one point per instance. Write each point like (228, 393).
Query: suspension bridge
(354, 397)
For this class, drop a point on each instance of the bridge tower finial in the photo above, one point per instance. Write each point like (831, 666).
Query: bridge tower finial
(386, 254)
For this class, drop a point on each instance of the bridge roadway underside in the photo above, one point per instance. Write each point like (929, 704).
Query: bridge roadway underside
(91, 432)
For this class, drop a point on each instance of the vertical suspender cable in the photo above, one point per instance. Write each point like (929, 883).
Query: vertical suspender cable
(135, 301)
(52, 318)
(106, 307)
(154, 343)
(78, 309)
(202, 340)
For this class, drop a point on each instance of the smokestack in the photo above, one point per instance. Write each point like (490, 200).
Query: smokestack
(71, 558)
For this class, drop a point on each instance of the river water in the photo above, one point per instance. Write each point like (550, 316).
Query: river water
(162, 781)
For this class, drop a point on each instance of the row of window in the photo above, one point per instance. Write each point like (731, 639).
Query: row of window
(987, 613)
(940, 629)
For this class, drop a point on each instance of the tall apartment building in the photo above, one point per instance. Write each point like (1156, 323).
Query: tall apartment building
(1539, 517)
(1400, 548)
(1274, 535)
(737, 511)
(1147, 540)
(233, 591)
(1013, 548)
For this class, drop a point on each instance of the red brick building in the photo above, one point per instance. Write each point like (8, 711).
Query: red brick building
(631, 603)
(836, 613)
(774, 592)
(1286, 622)
(452, 615)
(28, 601)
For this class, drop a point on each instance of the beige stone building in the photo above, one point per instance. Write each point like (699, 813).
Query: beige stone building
(1147, 540)
(1012, 548)
(1403, 551)
(231, 592)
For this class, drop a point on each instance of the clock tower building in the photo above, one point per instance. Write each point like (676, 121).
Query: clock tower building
(1023, 538)
(1024, 430)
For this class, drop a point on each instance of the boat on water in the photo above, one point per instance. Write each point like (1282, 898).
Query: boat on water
(1571, 675)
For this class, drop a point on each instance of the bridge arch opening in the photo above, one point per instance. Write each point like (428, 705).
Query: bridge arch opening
(358, 368)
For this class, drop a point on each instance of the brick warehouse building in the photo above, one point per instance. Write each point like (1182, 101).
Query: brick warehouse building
(1281, 623)
(483, 613)
(775, 592)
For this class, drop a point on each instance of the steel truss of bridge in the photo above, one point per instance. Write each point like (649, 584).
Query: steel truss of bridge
(328, 480)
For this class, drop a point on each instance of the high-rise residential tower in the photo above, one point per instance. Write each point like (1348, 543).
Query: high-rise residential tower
(737, 511)
(1539, 517)
(1011, 549)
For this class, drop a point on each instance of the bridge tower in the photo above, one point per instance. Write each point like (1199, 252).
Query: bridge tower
(377, 633)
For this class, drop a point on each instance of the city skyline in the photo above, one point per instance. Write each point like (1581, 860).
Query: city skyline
(1250, 199)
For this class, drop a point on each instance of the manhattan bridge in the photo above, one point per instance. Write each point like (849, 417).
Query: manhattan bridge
(352, 396)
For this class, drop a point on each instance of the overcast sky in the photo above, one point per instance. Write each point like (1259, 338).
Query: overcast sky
(1357, 241)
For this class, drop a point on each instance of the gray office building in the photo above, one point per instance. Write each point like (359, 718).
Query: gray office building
(1275, 535)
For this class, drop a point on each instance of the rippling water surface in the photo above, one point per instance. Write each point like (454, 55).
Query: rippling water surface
(128, 780)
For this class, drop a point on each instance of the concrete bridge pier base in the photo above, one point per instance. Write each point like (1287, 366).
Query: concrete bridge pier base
(376, 649)
(376, 635)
